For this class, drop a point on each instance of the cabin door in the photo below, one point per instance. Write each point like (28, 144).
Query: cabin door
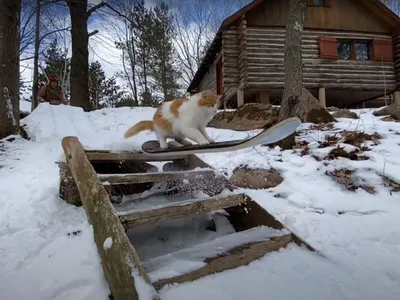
(220, 87)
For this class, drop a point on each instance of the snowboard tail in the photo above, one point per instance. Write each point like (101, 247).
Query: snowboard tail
(269, 136)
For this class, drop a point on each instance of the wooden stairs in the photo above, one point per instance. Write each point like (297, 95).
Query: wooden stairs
(256, 231)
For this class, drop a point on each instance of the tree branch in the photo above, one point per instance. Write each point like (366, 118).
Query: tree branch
(53, 31)
(93, 33)
(94, 8)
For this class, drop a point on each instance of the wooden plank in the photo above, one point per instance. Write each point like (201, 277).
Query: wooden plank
(178, 210)
(132, 178)
(236, 257)
(120, 260)
(102, 156)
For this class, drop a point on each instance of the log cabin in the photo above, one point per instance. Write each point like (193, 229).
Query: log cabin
(350, 53)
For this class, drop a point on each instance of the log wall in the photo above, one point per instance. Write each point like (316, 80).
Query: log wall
(265, 62)
(209, 81)
(230, 54)
(396, 57)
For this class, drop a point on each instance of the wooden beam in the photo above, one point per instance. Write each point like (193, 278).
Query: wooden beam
(321, 96)
(263, 97)
(396, 96)
(133, 178)
(119, 259)
(240, 97)
(106, 156)
(178, 210)
(236, 257)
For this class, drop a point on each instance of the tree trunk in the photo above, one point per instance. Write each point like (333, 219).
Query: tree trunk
(80, 55)
(296, 100)
(9, 66)
(293, 61)
(36, 58)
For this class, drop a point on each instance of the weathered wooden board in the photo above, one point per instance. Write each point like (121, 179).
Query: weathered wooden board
(123, 156)
(132, 178)
(178, 210)
(236, 257)
(119, 260)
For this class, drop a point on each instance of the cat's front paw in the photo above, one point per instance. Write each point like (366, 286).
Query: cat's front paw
(204, 142)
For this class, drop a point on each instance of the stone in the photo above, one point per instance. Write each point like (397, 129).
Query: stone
(311, 111)
(332, 108)
(388, 119)
(247, 117)
(345, 113)
(392, 110)
(258, 178)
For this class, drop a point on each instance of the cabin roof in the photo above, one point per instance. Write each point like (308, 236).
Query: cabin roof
(375, 6)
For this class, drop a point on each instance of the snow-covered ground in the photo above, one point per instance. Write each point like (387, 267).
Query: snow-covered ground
(47, 249)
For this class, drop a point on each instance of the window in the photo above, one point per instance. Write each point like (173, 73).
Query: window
(346, 49)
(358, 50)
(318, 2)
(363, 50)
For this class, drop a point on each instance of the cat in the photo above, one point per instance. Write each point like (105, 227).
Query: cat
(180, 119)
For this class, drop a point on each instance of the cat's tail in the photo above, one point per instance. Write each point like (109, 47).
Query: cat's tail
(138, 127)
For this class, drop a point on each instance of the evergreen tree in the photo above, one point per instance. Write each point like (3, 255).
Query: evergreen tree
(142, 24)
(103, 92)
(162, 53)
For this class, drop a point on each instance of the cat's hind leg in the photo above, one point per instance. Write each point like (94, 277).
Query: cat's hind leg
(162, 139)
(195, 135)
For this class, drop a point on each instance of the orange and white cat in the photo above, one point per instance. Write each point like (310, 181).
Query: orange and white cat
(180, 119)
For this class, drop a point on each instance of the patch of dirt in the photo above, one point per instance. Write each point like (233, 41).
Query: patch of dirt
(340, 152)
(346, 178)
(319, 115)
(358, 138)
(255, 178)
(345, 113)
(393, 186)
(330, 140)
(322, 126)
(247, 117)
(303, 145)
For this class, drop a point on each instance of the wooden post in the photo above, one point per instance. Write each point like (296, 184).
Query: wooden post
(397, 97)
(240, 97)
(118, 257)
(321, 96)
(263, 97)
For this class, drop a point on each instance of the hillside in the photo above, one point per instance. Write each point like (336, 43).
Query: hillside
(346, 207)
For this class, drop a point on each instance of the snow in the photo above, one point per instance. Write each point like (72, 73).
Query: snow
(108, 243)
(25, 106)
(47, 249)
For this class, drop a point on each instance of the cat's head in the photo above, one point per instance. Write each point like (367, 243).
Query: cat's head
(209, 100)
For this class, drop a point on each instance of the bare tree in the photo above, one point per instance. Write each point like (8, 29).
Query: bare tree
(296, 100)
(196, 23)
(9, 66)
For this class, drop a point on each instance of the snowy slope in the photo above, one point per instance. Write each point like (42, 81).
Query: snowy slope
(47, 249)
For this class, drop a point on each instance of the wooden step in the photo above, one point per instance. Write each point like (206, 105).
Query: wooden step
(180, 209)
(223, 253)
(132, 178)
(126, 156)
